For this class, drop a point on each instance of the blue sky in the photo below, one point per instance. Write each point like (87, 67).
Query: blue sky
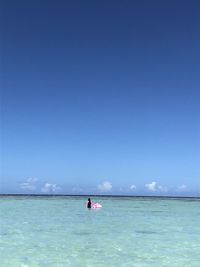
(100, 97)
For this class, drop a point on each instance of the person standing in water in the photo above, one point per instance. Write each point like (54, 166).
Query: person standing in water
(89, 204)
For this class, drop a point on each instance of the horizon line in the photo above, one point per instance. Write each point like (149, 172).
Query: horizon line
(97, 195)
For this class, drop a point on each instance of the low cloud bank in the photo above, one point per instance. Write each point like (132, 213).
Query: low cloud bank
(105, 187)
(155, 187)
(29, 184)
(181, 188)
(133, 187)
(50, 188)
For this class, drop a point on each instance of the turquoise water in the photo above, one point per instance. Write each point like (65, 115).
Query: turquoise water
(60, 231)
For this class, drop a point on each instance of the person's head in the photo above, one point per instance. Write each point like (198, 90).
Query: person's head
(89, 199)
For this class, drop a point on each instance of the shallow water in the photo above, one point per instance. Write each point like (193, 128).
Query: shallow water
(60, 231)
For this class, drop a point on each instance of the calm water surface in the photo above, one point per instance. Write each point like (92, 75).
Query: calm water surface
(135, 232)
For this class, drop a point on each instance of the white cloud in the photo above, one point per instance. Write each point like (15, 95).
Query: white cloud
(151, 186)
(29, 185)
(50, 188)
(105, 186)
(155, 187)
(32, 180)
(181, 188)
(132, 187)
(162, 188)
(77, 189)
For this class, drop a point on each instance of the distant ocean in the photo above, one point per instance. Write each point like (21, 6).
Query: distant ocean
(127, 231)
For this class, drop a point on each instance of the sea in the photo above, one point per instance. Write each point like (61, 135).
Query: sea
(59, 231)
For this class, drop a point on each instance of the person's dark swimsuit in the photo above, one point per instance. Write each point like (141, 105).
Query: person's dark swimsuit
(89, 204)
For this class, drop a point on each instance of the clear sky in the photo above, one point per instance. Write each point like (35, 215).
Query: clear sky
(100, 97)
